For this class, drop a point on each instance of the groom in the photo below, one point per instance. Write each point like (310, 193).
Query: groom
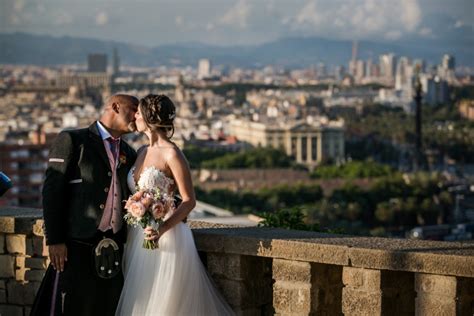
(85, 184)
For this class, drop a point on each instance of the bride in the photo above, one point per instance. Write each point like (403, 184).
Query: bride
(170, 280)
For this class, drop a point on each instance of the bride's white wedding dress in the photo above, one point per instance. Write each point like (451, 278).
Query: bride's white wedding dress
(170, 280)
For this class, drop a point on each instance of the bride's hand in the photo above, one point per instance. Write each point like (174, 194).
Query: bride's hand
(151, 234)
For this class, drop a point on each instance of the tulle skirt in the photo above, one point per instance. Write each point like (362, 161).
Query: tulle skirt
(170, 280)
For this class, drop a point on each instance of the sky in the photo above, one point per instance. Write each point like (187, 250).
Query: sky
(240, 22)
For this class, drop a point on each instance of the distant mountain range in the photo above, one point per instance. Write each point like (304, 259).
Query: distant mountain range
(23, 48)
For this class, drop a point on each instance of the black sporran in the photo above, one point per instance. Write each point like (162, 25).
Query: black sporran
(107, 259)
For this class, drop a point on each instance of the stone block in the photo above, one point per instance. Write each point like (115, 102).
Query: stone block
(434, 306)
(3, 296)
(39, 263)
(2, 285)
(16, 243)
(361, 278)
(9, 310)
(7, 266)
(20, 262)
(357, 302)
(7, 224)
(2, 243)
(20, 293)
(294, 271)
(34, 275)
(292, 297)
(38, 228)
(435, 284)
(224, 266)
(20, 274)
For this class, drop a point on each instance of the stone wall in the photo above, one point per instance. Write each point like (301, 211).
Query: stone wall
(262, 271)
(23, 260)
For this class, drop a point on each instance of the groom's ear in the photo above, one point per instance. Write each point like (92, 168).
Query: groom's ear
(116, 107)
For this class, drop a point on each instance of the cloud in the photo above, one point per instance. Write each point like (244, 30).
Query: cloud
(237, 16)
(358, 18)
(411, 14)
(426, 32)
(101, 19)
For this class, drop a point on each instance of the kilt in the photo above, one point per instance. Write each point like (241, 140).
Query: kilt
(78, 291)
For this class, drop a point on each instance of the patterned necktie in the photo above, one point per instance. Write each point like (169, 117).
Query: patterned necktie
(114, 146)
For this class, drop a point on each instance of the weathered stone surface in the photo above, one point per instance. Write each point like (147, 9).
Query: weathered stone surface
(362, 294)
(39, 263)
(9, 310)
(20, 268)
(444, 295)
(22, 293)
(224, 265)
(7, 224)
(2, 243)
(2, 285)
(288, 270)
(436, 285)
(20, 274)
(38, 228)
(356, 302)
(292, 297)
(7, 265)
(16, 243)
(20, 262)
(366, 279)
(448, 258)
(34, 275)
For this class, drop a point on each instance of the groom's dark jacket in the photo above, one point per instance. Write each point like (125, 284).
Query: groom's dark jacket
(77, 181)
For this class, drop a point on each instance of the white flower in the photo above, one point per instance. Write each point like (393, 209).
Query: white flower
(152, 178)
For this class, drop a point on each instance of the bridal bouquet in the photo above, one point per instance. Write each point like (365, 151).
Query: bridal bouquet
(150, 203)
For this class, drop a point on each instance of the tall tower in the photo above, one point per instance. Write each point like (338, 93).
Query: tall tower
(353, 62)
(115, 62)
(387, 66)
(204, 68)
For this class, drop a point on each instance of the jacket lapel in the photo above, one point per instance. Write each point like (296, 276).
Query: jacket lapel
(98, 144)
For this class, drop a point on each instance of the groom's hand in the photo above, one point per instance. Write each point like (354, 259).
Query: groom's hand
(58, 256)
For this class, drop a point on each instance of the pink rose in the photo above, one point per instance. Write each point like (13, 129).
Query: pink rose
(158, 210)
(137, 196)
(137, 209)
(146, 201)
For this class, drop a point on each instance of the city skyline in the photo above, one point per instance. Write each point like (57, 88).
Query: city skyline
(243, 22)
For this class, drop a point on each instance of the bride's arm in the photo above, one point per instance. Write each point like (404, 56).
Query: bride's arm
(180, 169)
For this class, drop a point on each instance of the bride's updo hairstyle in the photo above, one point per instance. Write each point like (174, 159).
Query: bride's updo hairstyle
(158, 112)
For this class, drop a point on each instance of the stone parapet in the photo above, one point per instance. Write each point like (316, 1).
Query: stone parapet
(265, 271)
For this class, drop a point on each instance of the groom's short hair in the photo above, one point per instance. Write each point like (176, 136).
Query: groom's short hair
(119, 97)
